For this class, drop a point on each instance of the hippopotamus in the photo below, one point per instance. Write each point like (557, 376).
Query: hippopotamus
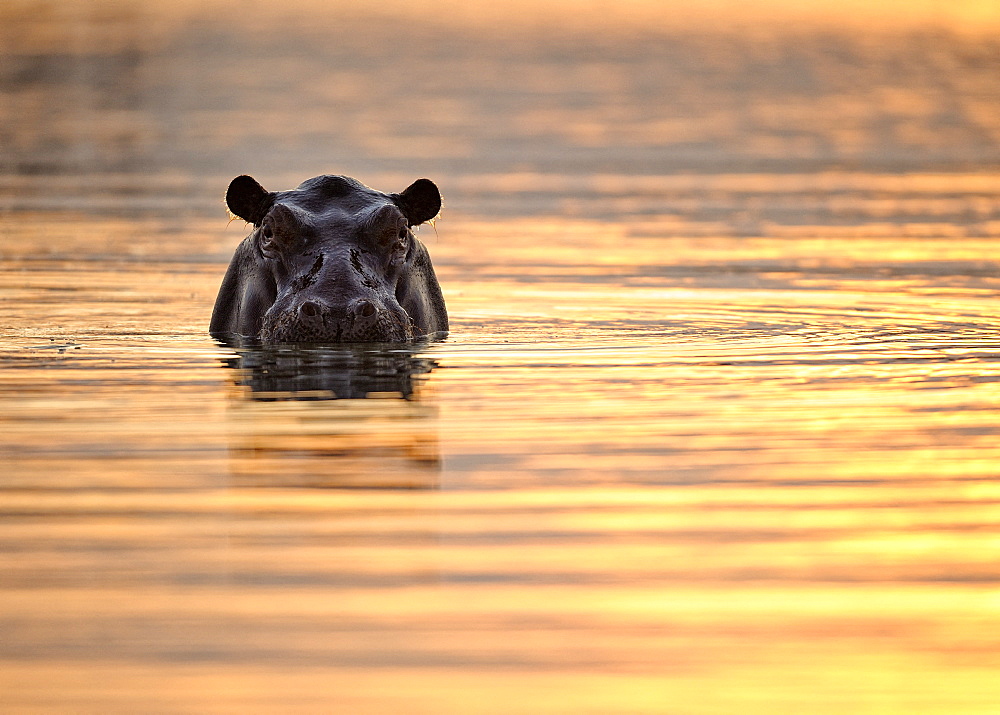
(331, 261)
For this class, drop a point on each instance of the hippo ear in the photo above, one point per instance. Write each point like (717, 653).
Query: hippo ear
(420, 201)
(248, 199)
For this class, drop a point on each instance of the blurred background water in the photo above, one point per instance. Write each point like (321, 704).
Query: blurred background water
(715, 429)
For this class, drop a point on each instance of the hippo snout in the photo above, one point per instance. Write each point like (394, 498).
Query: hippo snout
(360, 309)
(356, 317)
(314, 320)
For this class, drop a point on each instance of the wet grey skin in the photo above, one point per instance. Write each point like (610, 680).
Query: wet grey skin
(332, 261)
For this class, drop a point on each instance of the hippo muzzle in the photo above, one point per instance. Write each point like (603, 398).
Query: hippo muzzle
(331, 261)
(361, 321)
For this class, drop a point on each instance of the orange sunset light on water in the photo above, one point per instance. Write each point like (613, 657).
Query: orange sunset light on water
(889, 14)
(716, 428)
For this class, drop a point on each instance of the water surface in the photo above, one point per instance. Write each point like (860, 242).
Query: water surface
(715, 429)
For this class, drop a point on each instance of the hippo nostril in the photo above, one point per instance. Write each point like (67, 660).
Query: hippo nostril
(365, 309)
(309, 309)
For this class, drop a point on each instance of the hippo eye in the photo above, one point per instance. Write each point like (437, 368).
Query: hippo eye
(267, 240)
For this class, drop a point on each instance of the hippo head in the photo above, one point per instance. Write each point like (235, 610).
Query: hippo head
(330, 261)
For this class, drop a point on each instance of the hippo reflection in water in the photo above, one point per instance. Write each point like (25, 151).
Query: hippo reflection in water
(329, 372)
(331, 261)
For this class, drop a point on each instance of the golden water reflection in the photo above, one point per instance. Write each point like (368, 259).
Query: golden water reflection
(730, 473)
(351, 417)
(715, 429)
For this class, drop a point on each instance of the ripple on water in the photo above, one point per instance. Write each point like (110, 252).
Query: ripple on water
(596, 451)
